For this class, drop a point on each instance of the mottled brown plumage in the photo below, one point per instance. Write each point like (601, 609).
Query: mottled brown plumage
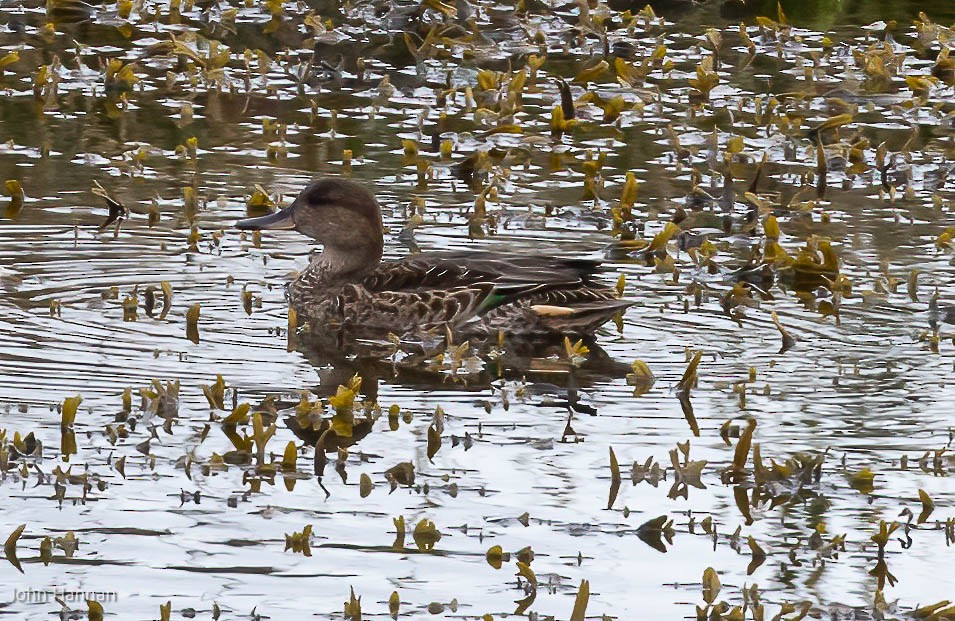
(471, 293)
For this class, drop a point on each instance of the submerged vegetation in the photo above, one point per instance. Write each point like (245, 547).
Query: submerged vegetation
(771, 188)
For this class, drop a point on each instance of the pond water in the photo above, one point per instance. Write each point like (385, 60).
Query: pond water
(203, 103)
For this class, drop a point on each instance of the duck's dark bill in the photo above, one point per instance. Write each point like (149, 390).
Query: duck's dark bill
(281, 219)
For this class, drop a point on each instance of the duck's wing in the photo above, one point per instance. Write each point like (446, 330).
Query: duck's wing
(546, 295)
(513, 273)
(458, 289)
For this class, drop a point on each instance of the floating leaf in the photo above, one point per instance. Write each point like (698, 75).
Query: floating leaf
(527, 602)
(641, 379)
(689, 378)
(706, 78)
(365, 485)
(289, 458)
(353, 607)
(239, 416)
(46, 550)
(628, 196)
(788, 340)
(166, 299)
(614, 479)
(426, 535)
(117, 210)
(215, 393)
(15, 191)
(742, 503)
(394, 602)
(192, 323)
(576, 352)
(120, 76)
(130, 307)
(300, 542)
(579, 613)
(261, 436)
(401, 474)
(10, 547)
(434, 441)
(399, 542)
(654, 531)
(881, 538)
(95, 610)
(758, 556)
(933, 611)
(69, 409)
(524, 570)
(9, 59)
(593, 73)
(742, 447)
(292, 330)
(711, 585)
(928, 506)
(649, 471)
(495, 557)
(260, 202)
(863, 480)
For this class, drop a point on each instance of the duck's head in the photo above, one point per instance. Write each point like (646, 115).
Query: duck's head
(340, 214)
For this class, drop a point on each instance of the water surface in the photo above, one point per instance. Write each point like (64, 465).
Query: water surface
(863, 387)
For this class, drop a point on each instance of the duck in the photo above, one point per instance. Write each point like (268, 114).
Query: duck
(468, 294)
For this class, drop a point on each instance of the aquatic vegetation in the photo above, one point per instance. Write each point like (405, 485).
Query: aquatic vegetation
(15, 191)
(300, 542)
(774, 196)
(10, 547)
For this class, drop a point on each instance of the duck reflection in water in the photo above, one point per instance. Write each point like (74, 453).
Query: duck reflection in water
(540, 366)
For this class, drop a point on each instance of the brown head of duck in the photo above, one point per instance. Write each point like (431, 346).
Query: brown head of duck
(341, 215)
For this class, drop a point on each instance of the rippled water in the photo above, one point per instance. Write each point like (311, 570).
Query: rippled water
(864, 387)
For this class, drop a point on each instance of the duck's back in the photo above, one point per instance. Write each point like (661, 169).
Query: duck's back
(450, 269)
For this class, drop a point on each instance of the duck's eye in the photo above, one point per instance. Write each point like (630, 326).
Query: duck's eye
(320, 199)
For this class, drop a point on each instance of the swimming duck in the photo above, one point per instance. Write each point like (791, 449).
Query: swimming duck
(472, 294)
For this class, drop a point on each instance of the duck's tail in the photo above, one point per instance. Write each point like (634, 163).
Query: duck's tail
(541, 310)
(577, 319)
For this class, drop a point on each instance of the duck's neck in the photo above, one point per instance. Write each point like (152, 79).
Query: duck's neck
(337, 266)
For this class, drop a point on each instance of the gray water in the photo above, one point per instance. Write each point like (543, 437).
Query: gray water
(865, 389)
